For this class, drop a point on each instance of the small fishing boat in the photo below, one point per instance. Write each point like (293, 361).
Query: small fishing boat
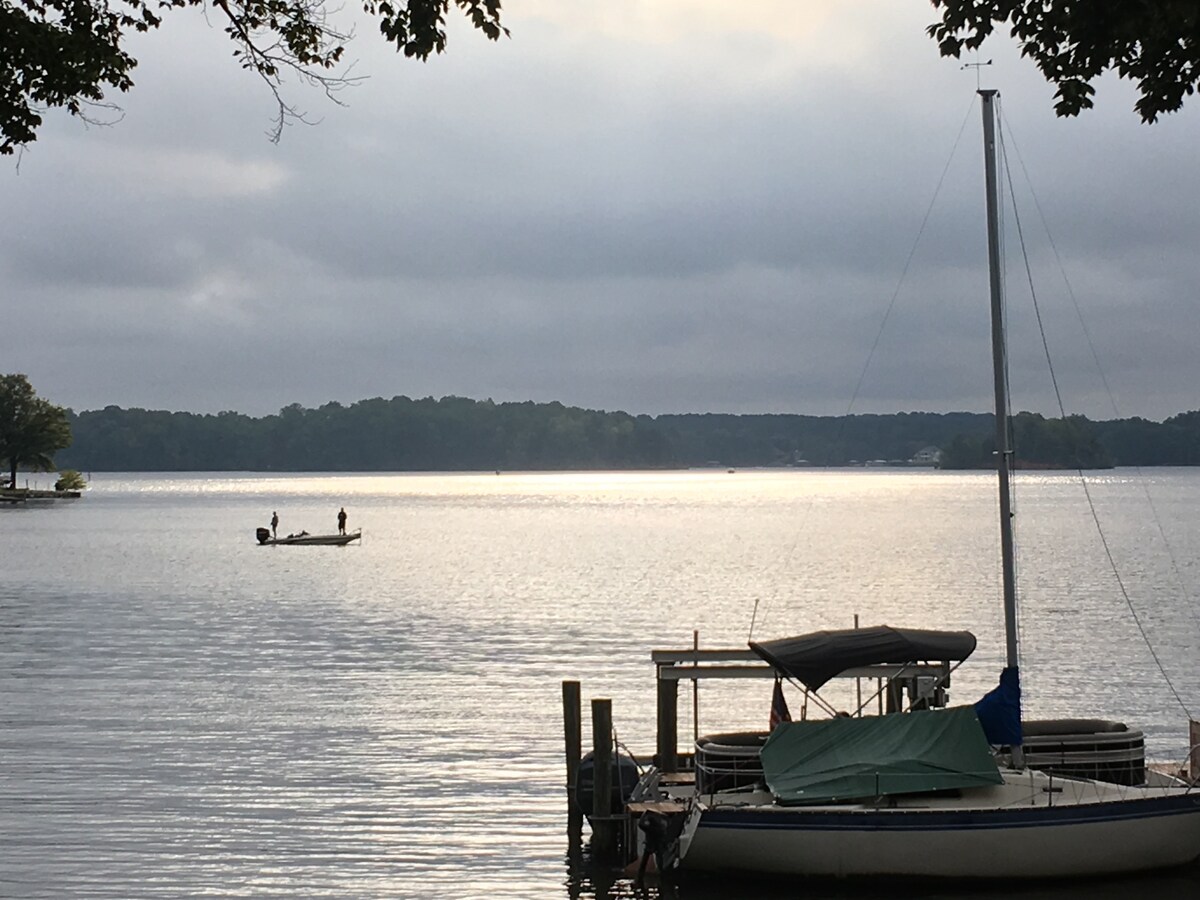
(303, 538)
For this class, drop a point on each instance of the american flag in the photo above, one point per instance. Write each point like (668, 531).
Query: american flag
(779, 707)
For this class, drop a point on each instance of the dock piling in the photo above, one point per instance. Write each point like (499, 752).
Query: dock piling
(1194, 751)
(605, 826)
(668, 725)
(573, 749)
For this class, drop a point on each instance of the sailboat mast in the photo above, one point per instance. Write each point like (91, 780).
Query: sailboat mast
(1004, 452)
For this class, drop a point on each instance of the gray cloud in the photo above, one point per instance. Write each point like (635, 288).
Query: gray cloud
(637, 220)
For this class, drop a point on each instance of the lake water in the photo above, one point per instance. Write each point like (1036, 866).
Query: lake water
(186, 713)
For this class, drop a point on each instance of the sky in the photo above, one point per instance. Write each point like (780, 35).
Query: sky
(657, 206)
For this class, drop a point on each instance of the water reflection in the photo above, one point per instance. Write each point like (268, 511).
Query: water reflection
(587, 881)
(185, 712)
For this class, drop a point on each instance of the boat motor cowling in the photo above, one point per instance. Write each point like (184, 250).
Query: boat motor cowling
(263, 534)
(623, 776)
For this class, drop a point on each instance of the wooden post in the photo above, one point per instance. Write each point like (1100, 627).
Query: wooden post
(668, 724)
(572, 731)
(1194, 755)
(573, 747)
(857, 683)
(895, 696)
(696, 689)
(604, 831)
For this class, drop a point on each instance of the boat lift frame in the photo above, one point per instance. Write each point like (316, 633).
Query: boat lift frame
(695, 665)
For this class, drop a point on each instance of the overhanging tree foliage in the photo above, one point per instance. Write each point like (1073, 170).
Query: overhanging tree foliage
(1153, 42)
(71, 53)
(31, 429)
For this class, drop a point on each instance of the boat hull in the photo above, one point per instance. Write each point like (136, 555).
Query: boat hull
(1073, 840)
(313, 540)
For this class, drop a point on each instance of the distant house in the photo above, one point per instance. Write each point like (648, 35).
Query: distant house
(926, 456)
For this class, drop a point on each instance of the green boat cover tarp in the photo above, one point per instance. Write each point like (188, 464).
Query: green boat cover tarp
(901, 753)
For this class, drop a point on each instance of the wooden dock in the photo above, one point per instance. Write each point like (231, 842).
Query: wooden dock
(616, 827)
(23, 495)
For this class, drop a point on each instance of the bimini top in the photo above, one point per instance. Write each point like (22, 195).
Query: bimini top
(817, 657)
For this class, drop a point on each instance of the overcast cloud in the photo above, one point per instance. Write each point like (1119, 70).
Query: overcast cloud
(667, 206)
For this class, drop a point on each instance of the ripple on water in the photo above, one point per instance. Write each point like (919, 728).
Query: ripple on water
(185, 713)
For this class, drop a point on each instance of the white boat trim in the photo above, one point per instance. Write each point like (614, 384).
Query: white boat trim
(312, 540)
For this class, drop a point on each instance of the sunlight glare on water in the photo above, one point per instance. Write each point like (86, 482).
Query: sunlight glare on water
(188, 713)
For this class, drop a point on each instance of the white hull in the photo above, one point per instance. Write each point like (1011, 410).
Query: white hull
(313, 540)
(1008, 831)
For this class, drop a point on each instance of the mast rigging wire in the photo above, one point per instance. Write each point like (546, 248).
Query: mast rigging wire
(838, 437)
(1063, 414)
(1141, 480)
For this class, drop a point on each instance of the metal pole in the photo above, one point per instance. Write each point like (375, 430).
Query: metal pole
(999, 371)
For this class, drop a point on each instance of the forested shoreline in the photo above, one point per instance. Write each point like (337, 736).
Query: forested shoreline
(460, 434)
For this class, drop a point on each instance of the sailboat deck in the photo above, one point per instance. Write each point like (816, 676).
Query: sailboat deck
(1027, 789)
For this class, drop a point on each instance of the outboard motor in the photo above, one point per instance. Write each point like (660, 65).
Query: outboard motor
(662, 831)
(263, 534)
(624, 775)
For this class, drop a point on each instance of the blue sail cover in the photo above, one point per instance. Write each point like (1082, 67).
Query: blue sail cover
(999, 710)
(875, 756)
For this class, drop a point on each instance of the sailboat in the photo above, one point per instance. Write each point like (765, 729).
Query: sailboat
(920, 790)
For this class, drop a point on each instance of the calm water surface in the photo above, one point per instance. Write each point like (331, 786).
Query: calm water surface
(186, 713)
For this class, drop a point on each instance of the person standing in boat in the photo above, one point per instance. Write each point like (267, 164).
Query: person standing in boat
(342, 521)
(274, 524)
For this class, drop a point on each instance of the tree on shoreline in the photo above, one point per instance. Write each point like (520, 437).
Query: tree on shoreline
(460, 434)
(31, 429)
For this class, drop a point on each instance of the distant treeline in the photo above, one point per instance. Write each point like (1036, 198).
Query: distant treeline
(458, 434)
